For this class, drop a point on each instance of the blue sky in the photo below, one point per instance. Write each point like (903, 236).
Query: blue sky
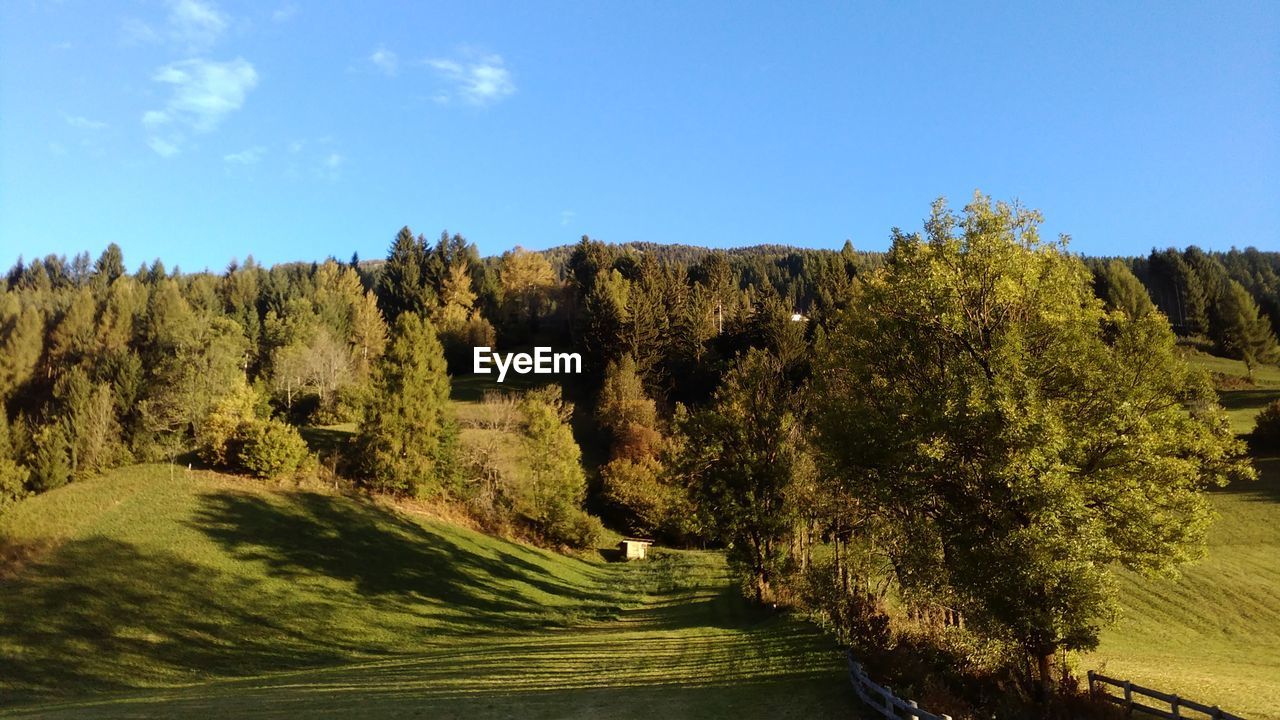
(200, 131)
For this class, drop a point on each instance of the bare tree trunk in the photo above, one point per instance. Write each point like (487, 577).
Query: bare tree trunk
(1044, 669)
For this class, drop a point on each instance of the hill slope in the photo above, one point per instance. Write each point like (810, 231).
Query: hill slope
(1213, 635)
(135, 594)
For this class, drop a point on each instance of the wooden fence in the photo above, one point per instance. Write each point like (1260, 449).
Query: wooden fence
(1098, 689)
(882, 700)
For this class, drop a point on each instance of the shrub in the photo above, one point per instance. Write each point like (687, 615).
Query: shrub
(577, 530)
(271, 448)
(635, 488)
(1266, 429)
(217, 433)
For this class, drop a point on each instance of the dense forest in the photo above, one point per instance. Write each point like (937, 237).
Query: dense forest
(944, 423)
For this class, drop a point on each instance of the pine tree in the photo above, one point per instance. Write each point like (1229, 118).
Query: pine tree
(626, 412)
(13, 476)
(1246, 332)
(403, 286)
(551, 493)
(529, 293)
(21, 343)
(1120, 289)
(110, 265)
(50, 464)
(408, 436)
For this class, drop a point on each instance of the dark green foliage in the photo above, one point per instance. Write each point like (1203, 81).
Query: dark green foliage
(1178, 291)
(1245, 334)
(403, 285)
(50, 461)
(550, 496)
(13, 477)
(740, 459)
(408, 437)
(1116, 285)
(1266, 429)
(270, 448)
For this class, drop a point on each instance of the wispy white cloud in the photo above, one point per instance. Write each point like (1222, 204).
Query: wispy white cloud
(193, 25)
(331, 167)
(385, 60)
(203, 94)
(566, 217)
(163, 148)
(137, 32)
(284, 13)
(480, 82)
(83, 123)
(57, 148)
(250, 156)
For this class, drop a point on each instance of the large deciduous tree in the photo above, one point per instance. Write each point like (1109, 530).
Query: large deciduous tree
(1029, 440)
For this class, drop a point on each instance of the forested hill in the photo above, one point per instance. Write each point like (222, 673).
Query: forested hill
(731, 399)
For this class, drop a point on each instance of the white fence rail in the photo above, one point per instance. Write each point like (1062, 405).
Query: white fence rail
(1177, 706)
(881, 698)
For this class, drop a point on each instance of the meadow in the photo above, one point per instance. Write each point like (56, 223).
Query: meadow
(135, 594)
(1213, 634)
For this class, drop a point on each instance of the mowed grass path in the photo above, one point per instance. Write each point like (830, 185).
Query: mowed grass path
(137, 595)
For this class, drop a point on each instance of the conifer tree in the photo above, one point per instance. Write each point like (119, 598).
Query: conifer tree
(13, 476)
(740, 457)
(403, 286)
(550, 495)
(1246, 332)
(1120, 289)
(408, 436)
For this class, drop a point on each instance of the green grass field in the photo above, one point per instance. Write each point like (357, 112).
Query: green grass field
(1242, 404)
(140, 595)
(1212, 635)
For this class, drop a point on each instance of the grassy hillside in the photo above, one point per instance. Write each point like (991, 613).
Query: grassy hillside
(1213, 635)
(1244, 402)
(138, 594)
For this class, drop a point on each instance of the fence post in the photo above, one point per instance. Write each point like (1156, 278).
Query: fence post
(1128, 698)
(1217, 713)
(1093, 689)
(1176, 706)
(913, 716)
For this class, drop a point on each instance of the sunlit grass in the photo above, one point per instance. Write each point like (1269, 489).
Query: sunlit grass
(203, 595)
(1214, 634)
(1242, 404)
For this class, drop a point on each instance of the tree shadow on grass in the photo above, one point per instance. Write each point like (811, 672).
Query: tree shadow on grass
(1266, 488)
(98, 614)
(387, 556)
(1247, 399)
